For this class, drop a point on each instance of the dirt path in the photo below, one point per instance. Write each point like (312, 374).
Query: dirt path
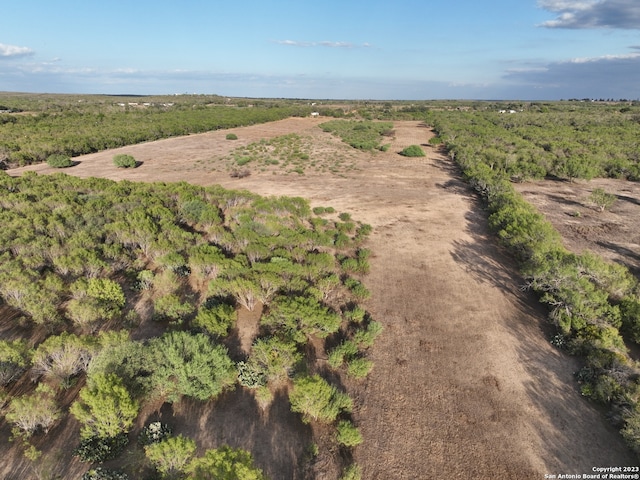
(465, 383)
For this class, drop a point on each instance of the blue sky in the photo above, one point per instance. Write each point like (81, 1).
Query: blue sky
(349, 49)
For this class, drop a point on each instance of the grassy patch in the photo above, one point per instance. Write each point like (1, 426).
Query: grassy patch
(288, 154)
(363, 135)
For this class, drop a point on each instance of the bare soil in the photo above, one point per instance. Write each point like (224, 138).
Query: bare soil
(465, 383)
(613, 233)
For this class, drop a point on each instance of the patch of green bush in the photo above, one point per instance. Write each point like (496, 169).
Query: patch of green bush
(123, 160)
(347, 434)
(352, 472)
(100, 449)
(412, 151)
(153, 433)
(216, 319)
(59, 161)
(231, 136)
(363, 135)
(100, 473)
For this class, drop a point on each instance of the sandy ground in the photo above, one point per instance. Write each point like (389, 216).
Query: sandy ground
(613, 233)
(465, 383)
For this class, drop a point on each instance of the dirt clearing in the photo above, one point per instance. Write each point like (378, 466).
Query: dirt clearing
(465, 383)
(613, 233)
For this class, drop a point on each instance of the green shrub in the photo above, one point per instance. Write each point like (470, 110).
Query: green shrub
(170, 307)
(631, 429)
(385, 147)
(412, 151)
(251, 375)
(243, 161)
(352, 472)
(361, 135)
(153, 433)
(172, 455)
(359, 368)
(217, 319)
(59, 161)
(357, 289)
(348, 434)
(100, 449)
(100, 473)
(124, 161)
(346, 350)
(364, 338)
(356, 314)
(231, 136)
(602, 199)
(318, 400)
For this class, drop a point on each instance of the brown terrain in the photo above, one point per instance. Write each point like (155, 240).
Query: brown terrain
(466, 384)
(613, 233)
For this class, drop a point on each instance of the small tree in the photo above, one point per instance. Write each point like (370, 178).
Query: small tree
(100, 473)
(15, 357)
(32, 412)
(298, 317)
(602, 199)
(274, 357)
(63, 356)
(124, 161)
(217, 319)
(191, 365)
(105, 407)
(172, 308)
(225, 463)
(172, 455)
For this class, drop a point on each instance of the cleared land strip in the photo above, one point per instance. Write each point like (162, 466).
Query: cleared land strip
(465, 383)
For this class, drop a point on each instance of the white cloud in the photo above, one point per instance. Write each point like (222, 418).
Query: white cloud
(14, 51)
(609, 76)
(325, 43)
(622, 14)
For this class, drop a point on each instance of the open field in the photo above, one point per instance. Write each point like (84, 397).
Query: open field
(613, 233)
(465, 383)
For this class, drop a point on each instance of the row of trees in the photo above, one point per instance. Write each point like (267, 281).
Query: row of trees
(594, 304)
(94, 124)
(85, 261)
(585, 143)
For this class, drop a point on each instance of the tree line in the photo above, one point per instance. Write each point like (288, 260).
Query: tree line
(72, 126)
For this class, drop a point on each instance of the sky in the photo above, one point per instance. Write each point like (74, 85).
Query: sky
(329, 49)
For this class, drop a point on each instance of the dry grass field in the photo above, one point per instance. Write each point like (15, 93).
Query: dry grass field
(465, 383)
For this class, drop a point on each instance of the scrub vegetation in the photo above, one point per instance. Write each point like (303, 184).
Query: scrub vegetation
(126, 304)
(115, 256)
(33, 127)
